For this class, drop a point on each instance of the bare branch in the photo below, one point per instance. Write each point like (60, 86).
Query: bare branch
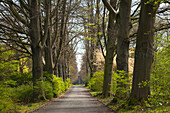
(109, 7)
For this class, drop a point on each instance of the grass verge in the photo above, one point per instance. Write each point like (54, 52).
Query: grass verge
(30, 107)
(162, 108)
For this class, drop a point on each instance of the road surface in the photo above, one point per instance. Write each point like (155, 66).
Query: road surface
(76, 100)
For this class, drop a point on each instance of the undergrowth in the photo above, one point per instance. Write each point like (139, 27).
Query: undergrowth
(16, 95)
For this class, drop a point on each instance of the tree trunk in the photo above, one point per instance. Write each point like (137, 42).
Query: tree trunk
(144, 51)
(59, 69)
(110, 47)
(48, 55)
(48, 48)
(123, 45)
(37, 68)
(92, 43)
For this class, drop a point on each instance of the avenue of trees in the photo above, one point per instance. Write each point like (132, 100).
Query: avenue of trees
(120, 26)
(39, 41)
(38, 44)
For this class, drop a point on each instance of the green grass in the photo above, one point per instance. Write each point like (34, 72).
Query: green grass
(30, 107)
(94, 94)
(159, 109)
(136, 109)
(79, 85)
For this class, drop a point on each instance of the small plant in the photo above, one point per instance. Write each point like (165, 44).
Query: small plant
(58, 86)
(6, 100)
(96, 82)
(122, 83)
(21, 78)
(23, 93)
(160, 85)
(67, 83)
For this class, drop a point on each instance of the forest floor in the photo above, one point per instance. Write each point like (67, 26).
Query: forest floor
(161, 108)
(76, 100)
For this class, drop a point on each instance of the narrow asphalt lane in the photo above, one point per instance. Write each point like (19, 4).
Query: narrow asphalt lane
(76, 100)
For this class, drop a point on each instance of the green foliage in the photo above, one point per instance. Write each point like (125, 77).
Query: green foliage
(90, 24)
(95, 94)
(17, 88)
(9, 82)
(58, 86)
(47, 76)
(6, 102)
(23, 93)
(96, 82)
(122, 83)
(67, 83)
(7, 67)
(7, 64)
(143, 84)
(44, 89)
(21, 78)
(160, 85)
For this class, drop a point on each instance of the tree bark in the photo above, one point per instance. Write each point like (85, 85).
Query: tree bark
(110, 47)
(92, 43)
(48, 48)
(144, 51)
(37, 69)
(123, 45)
(48, 55)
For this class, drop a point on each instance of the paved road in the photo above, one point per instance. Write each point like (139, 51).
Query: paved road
(76, 100)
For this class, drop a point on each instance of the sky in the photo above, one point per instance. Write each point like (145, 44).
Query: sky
(79, 54)
(80, 47)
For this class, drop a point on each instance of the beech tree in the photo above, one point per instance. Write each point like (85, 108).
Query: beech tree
(31, 26)
(123, 44)
(110, 49)
(23, 19)
(144, 51)
(92, 28)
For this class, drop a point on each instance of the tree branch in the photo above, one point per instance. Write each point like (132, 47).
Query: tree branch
(109, 7)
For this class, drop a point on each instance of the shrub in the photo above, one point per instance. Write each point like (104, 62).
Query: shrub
(10, 83)
(160, 85)
(120, 83)
(67, 83)
(47, 76)
(48, 89)
(23, 93)
(96, 82)
(21, 78)
(58, 86)
(44, 90)
(6, 102)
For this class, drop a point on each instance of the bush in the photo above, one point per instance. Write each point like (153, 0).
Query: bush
(18, 88)
(160, 85)
(23, 93)
(9, 82)
(47, 76)
(6, 102)
(44, 90)
(120, 83)
(21, 78)
(58, 86)
(67, 83)
(96, 82)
